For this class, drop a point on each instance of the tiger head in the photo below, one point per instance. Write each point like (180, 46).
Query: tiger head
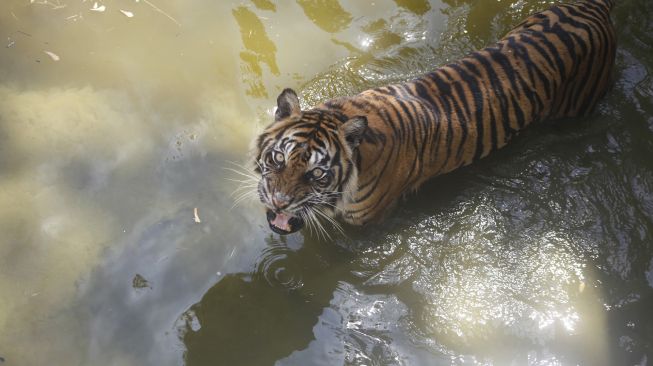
(306, 162)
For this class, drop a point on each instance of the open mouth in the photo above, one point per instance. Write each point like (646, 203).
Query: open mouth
(284, 224)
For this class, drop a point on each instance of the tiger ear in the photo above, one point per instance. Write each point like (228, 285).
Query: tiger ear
(353, 130)
(287, 105)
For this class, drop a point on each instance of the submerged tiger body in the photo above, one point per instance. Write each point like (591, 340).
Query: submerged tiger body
(353, 157)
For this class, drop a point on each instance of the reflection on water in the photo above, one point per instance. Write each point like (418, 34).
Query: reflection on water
(326, 14)
(265, 5)
(418, 7)
(540, 254)
(276, 305)
(260, 50)
(388, 49)
(482, 25)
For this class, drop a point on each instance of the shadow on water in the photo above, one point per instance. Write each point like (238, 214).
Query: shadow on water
(274, 307)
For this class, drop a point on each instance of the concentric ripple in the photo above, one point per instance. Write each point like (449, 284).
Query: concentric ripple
(276, 266)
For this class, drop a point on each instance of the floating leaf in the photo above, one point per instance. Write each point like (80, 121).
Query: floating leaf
(140, 282)
(52, 55)
(128, 14)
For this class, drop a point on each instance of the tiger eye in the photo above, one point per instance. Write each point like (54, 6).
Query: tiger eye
(317, 173)
(278, 157)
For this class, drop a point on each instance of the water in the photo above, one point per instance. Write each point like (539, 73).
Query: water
(540, 254)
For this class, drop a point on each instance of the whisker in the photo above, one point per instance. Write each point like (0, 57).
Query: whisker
(327, 236)
(239, 189)
(330, 219)
(325, 203)
(239, 165)
(318, 224)
(242, 181)
(248, 183)
(245, 174)
(308, 221)
(243, 197)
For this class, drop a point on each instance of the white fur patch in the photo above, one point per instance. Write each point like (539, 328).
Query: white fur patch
(316, 156)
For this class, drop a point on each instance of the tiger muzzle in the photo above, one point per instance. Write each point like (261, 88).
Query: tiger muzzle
(282, 223)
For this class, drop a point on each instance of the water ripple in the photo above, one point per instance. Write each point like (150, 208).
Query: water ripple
(277, 267)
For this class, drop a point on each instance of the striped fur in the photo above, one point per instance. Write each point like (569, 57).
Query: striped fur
(555, 64)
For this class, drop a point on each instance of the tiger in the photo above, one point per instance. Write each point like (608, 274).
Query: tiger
(350, 159)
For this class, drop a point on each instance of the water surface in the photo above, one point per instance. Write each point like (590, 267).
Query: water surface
(118, 120)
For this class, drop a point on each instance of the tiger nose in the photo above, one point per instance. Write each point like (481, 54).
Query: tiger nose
(280, 200)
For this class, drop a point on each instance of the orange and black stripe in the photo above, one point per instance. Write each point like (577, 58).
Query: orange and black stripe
(555, 64)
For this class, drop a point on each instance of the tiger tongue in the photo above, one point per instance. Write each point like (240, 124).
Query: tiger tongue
(282, 221)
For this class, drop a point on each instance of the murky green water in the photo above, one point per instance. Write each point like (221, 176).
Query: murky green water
(540, 254)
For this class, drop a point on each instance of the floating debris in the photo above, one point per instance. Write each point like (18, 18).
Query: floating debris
(52, 55)
(11, 42)
(98, 8)
(54, 4)
(196, 217)
(140, 282)
(162, 12)
(75, 17)
(128, 14)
